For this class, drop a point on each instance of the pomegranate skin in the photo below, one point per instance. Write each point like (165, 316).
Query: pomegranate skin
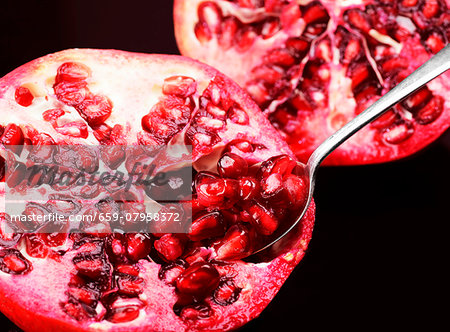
(33, 300)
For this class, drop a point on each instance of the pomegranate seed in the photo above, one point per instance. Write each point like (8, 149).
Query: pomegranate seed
(169, 246)
(23, 96)
(358, 19)
(138, 246)
(87, 296)
(210, 13)
(71, 93)
(386, 120)
(430, 8)
(124, 314)
(129, 285)
(238, 116)
(198, 280)
(198, 254)
(315, 13)
(297, 191)
(280, 57)
(398, 133)
(290, 14)
(180, 86)
(245, 38)
(73, 129)
(95, 109)
(226, 293)
(435, 42)
(113, 155)
(271, 186)
(54, 239)
(283, 165)
(409, 3)
(268, 73)
(352, 51)
(13, 262)
(248, 188)
(359, 75)
(16, 174)
(171, 272)
(202, 32)
(128, 269)
(231, 165)
(35, 246)
(78, 311)
(72, 72)
(12, 135)
(52, 114)
(196, 312)
(297, 46)
(230, 26)
(263, 220)
(7, 237)
(270, 27)
(241, 145)
(417, 99)
(102, 132)
(236, 243)
(89, 266)
(430, 112)
(208, 226)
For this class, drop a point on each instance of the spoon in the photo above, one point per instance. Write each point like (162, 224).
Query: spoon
(434, 67)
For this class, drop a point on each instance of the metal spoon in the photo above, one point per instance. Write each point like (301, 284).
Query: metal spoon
(434, 67)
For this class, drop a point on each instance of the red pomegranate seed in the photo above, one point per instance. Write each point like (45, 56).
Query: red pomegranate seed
(202, 32)
(270, 27)
(264, 221)
(228, 30)
(358, 19)
(398, 133)
(226, 293)
(236, 244)
(102, 132)
(12, 135)
(393, 64)
(35, 246)
(198, 280)
(89, 267)
(207, 226)
(268, 73)
(169, 246)
(297, 191)
(435, 42)
(280, 57)
(129, 285)
(77, 311)
(271, 186)
(248, 188)
(359, 75)
(352, 50)
(315, 13)
(170, 273)
(128, 269)
(231, 165)
(216, 192)
(245, 38)
(73, 129)
(430, 112)
(95, 109)
(241, 145)
(138, 246)
(13, 262)
(283, 165)
(298, 46)
(84, 295)
(409, 3)
(71, 93)
(72, 72)
(54, 239)
(210, 13)
(418, 99)
(430, 8)
(52, 114)
(180, 86)
(122, 315)
(196, 312)
(290, 14)
(386, 120)
(23, 96)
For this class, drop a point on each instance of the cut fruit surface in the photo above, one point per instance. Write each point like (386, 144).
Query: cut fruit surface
(314, 65)
(103, 280)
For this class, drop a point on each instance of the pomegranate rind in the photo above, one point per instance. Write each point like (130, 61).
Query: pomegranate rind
(365, 147)
(33, 301)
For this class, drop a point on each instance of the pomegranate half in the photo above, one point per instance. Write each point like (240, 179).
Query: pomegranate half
(314, 65)
(244, 186)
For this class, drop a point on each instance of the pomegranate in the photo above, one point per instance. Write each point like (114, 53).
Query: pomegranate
(314, 65)
(104, 280)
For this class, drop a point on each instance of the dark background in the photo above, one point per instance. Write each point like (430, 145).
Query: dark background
(379, 251)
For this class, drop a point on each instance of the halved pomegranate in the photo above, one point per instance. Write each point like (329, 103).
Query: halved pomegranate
(99, 280)
(314, 65)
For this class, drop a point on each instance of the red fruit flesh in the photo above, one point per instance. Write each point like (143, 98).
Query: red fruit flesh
(314, 65)
(140, 281)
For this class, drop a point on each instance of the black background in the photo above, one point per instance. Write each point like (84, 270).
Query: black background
(379, 250)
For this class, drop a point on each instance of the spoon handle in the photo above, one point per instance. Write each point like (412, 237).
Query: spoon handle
(435, 66)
